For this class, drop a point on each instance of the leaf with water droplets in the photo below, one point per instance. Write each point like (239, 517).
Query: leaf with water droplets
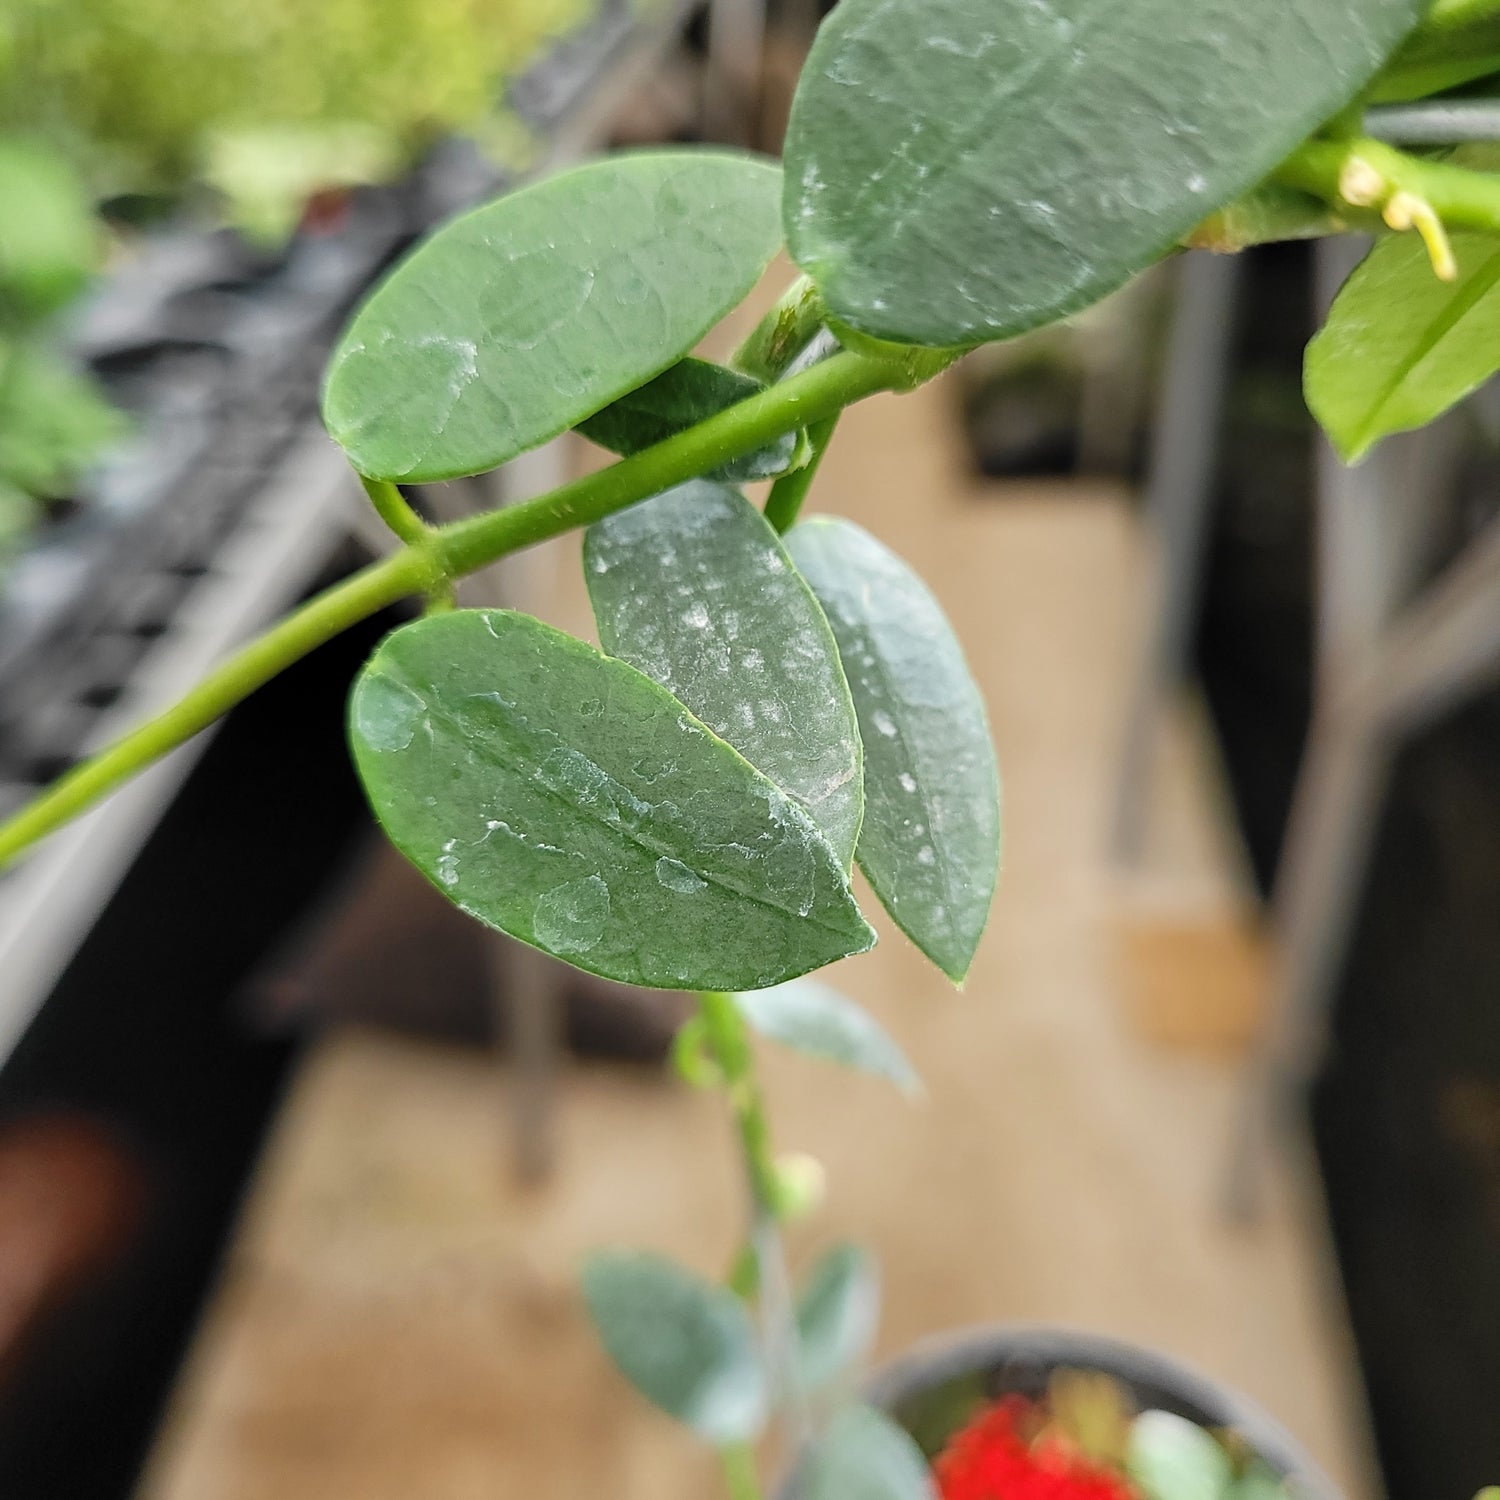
(512, 323)
(728, 625)
(684, 1343)
(930, 841)
(563, 797)
(690, 392)
(962, 170)
(814, 1019)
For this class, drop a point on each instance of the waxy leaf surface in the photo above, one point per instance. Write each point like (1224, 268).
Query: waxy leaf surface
(681, 397)
(696, 589)
(684, 1343)
(837, 1315)
(863, 1455)
(814, 1019)
(512, 323)
(1399, 346)
(962, 170)
(566, 799)
(930, 840)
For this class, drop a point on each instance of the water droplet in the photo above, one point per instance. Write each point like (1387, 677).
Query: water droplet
(676, 876)
(387, 712)
(571, 918)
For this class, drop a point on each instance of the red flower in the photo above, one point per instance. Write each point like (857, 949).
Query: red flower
(990, 1460)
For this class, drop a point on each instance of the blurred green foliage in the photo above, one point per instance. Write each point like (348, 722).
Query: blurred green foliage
(270, 99)
(53, 420)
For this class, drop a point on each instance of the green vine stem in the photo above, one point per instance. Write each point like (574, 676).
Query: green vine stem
(784, 503)
(739, 1472)
(727, 1039)
(356, 598)
(446, 553)
(1374, 173)
(392, 508)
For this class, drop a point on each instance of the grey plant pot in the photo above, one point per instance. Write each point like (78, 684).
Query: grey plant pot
(933, 1388)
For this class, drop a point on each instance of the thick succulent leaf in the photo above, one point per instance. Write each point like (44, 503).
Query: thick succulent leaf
(514, 322)
(684, 1343)
(695, 589)
(863, 1455)
(837, 1315)
(930, 841)
(1400, 346)
(1171, 1458)
(566, 799)
(962, 170)
(814, 1019)
(689, 392)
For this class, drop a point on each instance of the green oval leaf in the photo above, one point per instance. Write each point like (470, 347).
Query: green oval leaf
(930, 841)
(837, 1315)
(696, 590)
(512, 323)
(814, 1019)
(689, 392)
(962, 170)
(682, 1342)
(863, 1455)
(570, 801)
(1171, 1458)
(1399, 346)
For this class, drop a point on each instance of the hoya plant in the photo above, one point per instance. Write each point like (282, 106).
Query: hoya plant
(779, 697)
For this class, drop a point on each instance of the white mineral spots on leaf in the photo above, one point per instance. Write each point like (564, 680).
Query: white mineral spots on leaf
(884, 723)
(908, 781)
(721, 595)
(387, 713)
(572, 917)
(447, 864)
(676, 876)
(572, 773)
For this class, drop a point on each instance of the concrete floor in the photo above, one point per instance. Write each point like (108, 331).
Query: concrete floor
(399, 1320)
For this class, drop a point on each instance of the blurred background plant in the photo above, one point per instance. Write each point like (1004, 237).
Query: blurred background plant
(53, 418)
(268, 103)
(113, 114)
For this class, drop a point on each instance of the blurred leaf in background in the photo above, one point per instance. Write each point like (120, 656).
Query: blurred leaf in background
(268, 100)
(53, 420)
